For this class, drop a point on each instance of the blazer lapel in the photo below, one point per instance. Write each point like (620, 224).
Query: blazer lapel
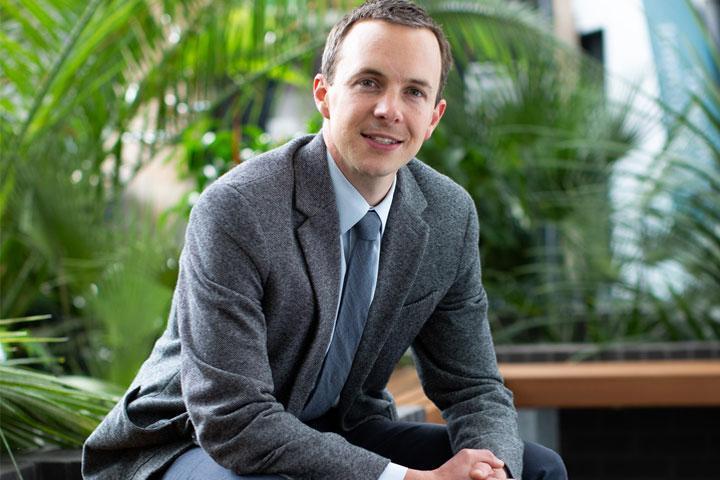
(401, 253)
(319, 238)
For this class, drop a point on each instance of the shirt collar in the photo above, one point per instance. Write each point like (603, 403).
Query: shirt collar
(351, 205)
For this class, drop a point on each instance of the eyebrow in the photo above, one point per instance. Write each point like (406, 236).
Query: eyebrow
(415, 81)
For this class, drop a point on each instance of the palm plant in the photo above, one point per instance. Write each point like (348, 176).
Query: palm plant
(92, 91)
(40, 410)
(536, 143)
(680, 223)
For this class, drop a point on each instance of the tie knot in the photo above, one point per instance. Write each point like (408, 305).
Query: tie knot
(368, 227)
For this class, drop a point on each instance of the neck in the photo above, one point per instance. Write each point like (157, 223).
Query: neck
(374, 191)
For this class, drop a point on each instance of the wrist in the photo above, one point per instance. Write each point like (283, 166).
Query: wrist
(419, 475)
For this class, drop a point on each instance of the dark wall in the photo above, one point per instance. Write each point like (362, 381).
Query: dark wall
(641, 444)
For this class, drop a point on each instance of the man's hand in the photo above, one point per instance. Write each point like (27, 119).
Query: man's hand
(467, 464)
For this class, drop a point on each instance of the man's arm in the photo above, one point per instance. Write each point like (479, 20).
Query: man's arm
(455, 358)
(227, 382)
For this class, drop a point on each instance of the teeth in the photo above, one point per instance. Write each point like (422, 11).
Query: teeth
(384, 141)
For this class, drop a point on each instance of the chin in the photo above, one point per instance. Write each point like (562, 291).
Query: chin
(381, 171)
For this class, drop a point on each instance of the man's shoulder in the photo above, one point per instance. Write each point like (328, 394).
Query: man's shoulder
(267, 166)
(263, 185)
(266, 176)
(438, 188)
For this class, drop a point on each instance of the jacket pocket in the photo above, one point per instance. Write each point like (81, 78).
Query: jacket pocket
(143, 424)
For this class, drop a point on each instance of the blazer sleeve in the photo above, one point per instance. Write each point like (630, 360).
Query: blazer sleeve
(456, 362)
(227, 382)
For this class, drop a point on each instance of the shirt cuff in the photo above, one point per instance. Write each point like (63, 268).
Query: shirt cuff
(393, 472)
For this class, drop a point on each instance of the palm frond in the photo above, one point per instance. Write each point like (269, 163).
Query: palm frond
(40, 410)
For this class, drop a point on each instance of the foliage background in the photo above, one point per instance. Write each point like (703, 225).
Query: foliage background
(93, 92)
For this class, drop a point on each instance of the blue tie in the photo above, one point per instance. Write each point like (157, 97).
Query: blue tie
(354, 306)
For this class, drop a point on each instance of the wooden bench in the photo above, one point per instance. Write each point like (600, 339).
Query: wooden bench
(662, 383)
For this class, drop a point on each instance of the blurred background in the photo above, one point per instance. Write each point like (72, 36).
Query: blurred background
(587, 131)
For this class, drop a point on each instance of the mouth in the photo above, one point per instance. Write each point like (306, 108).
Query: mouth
(381, 139)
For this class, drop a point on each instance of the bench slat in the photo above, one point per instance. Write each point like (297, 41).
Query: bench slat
(676, 383)
(615, 384)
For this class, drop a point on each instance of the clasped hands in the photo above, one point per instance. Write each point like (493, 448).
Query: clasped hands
(467, 464)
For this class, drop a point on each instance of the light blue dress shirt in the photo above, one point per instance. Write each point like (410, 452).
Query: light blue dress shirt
(351, 208)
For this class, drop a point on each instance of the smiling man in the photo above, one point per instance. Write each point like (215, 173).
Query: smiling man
(379, 101)
(306, 274)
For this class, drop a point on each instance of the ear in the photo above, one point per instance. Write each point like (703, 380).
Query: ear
(437, 114)
(320, 95)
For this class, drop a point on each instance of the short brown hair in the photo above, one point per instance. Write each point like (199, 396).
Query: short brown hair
(399, 12)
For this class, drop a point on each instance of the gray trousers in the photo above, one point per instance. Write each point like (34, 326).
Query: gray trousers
(195, 464)
(420, 446)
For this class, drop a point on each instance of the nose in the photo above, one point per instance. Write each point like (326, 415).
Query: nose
(388, 108)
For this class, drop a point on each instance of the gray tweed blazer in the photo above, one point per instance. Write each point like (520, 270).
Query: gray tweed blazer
(252, 316)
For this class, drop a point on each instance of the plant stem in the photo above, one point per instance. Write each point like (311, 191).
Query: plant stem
(10, 454)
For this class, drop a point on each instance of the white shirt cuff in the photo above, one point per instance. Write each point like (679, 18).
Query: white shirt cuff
(393, 472)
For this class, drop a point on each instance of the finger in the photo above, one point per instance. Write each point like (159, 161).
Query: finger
(499, 474)
(480, 471)
(489, 457)
(474, 456)
(477, 474)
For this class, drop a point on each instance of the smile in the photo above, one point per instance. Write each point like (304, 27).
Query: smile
(382, 140)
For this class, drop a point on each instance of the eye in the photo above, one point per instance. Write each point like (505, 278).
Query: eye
(367, 83)
(416, 92)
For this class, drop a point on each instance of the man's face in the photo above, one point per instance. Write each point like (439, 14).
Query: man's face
(380, 107)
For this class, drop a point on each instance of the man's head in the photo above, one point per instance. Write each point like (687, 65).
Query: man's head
(398, 12)
(380, 97)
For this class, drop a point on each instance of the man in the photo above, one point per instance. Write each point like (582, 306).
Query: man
(306, 274)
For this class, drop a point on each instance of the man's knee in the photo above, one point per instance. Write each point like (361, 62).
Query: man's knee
(542, 463)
